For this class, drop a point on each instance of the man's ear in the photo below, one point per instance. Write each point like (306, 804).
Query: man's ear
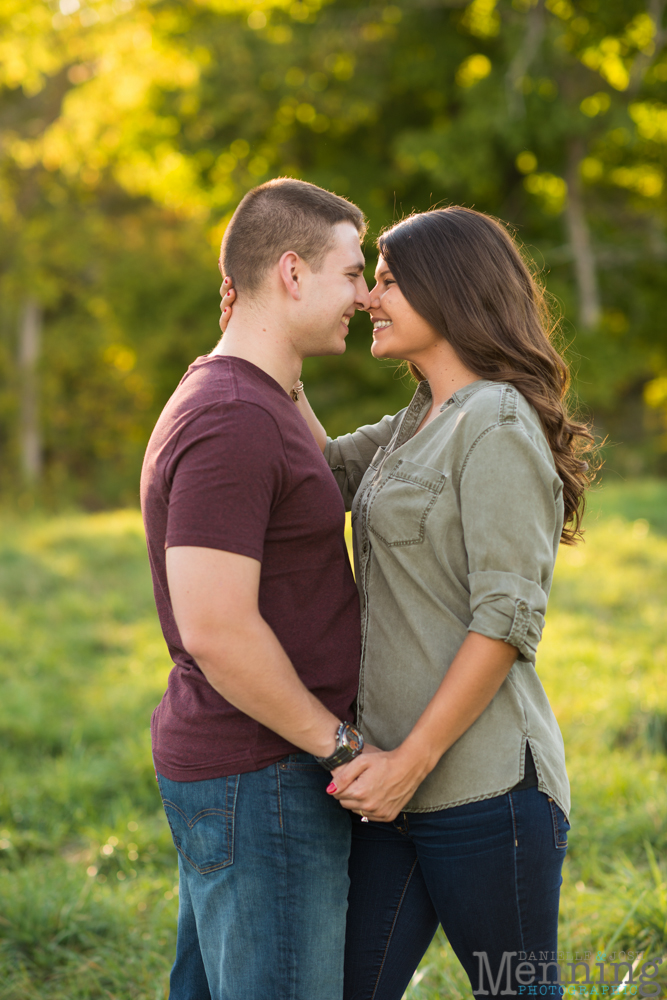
(290, 269)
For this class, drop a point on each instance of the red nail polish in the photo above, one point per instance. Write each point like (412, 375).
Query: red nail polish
(331, 788)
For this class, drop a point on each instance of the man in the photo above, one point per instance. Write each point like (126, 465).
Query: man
(259, 609)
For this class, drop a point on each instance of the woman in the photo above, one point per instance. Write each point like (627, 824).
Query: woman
(458, 505)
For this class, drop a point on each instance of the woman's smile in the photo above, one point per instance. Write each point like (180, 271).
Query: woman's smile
(383, 329)
(379, 326)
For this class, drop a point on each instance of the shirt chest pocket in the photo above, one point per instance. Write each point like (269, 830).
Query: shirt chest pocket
(398, 511)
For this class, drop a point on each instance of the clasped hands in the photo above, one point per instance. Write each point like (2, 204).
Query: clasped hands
(378, 783)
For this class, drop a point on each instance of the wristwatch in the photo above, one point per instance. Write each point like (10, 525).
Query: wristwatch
(349, 744)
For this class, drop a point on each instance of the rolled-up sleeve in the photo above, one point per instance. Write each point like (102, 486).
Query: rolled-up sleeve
(350, 455)
(511, 509)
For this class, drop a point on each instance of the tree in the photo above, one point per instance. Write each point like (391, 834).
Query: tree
(130, 131)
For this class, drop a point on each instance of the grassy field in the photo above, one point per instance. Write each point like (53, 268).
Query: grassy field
(88, 874)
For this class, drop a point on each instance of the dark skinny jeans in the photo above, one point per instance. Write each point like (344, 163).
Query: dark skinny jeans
(489, 872)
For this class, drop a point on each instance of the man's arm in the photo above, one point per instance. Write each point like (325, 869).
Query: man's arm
(214, 596)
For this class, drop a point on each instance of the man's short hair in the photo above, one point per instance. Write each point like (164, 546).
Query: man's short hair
(283, 214)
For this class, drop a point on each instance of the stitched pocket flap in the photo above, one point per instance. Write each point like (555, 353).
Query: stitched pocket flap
(420, 475)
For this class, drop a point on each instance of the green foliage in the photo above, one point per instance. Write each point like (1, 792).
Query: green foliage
(131, 130)
(88, 876)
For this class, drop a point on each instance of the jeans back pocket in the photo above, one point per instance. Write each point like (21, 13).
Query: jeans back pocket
(560, 824)
(201, 818)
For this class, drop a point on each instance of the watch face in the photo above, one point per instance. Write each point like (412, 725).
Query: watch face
(352, 739)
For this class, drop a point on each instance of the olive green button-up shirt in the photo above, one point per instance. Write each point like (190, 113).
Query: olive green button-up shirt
(456, 529)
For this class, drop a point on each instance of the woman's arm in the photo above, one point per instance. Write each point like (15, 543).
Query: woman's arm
(350, 455)
(309, 415)
(381, 784)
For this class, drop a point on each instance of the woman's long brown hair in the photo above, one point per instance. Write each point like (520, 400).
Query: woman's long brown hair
(462, 272)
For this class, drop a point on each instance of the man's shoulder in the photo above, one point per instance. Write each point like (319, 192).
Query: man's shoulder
(220, 409)
(218, 378)
(218, 390)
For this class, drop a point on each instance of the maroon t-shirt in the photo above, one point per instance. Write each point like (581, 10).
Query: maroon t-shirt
(232, 465)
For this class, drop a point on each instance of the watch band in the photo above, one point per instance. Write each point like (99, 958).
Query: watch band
(349, 744)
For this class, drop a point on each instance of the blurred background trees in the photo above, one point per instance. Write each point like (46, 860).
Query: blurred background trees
(129, 130)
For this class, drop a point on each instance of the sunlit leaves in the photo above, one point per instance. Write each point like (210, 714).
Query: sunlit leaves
(643, 178)
(28, 52)
(549, 189)
(613, 56)
(655, 392)
(107, 118)
(596, 104)
(481, 18)
(606, 59)
(473, 69)
(651, 120)
(560, 8)
(641, 32)
(257, 19)
(341, 64)
(166, 175)
(591, 168)
(526, 162)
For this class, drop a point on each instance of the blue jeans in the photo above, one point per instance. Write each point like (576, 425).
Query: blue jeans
(489, 872)
(263, 884)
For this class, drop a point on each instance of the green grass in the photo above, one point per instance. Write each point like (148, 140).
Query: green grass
(88, 874)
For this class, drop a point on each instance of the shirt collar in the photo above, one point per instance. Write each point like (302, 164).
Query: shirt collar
(415, 412)
(463, 395)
